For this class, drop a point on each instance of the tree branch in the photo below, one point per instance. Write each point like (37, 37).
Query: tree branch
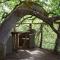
(54, 18)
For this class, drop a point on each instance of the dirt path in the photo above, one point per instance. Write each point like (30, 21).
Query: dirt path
(34, 54)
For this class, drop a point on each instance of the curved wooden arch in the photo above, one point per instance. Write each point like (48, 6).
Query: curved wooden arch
(20, 11)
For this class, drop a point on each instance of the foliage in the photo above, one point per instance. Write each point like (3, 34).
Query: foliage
(51, 6)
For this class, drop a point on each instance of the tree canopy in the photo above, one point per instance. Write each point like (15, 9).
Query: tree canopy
(12, 10)
(49, 9)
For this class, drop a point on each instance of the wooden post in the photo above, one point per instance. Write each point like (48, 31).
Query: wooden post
(18, 40)
(41, 35)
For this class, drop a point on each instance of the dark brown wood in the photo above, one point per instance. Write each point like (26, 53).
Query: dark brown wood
(13, 39)
(24, 40)
(41, 35)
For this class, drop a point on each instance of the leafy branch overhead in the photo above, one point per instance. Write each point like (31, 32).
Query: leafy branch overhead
(38, 11)
(34, 9)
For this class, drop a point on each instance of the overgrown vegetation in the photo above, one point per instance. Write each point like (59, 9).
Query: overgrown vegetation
(51, 6)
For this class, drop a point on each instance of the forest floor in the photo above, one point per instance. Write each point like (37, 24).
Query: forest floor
(33, 54)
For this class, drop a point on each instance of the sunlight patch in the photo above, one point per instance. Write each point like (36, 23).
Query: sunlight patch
(35, 52)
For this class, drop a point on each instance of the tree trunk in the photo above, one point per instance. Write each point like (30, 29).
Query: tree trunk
(57, 45)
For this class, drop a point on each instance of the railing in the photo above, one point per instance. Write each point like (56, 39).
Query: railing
(21, 40)
(15, 38)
